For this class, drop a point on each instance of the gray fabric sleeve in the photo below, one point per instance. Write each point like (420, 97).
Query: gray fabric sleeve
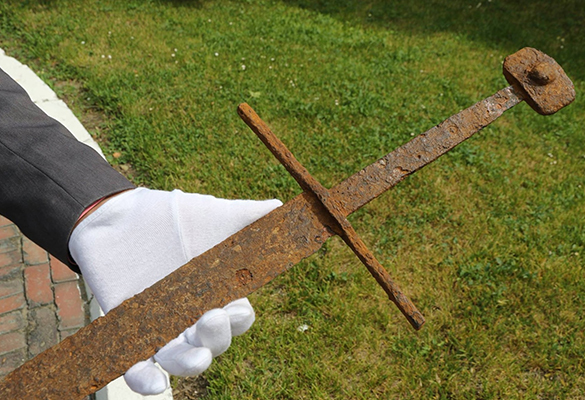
(47, 177)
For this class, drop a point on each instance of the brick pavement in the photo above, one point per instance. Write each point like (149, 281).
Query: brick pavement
(41, 300)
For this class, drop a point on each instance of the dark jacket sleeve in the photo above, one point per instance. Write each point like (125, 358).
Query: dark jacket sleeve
(47, 177)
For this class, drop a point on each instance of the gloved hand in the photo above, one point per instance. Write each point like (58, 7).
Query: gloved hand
(140, 236)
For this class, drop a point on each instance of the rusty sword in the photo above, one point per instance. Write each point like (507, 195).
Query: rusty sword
(100, 352)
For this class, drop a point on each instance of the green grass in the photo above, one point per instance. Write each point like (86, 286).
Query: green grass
(488, 241)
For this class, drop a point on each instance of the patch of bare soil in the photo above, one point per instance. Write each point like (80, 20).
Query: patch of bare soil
(194, 388)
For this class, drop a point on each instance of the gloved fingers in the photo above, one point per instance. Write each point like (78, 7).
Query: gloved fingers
(180, 358)
(191, 352)
(212, 331)
(241, 315)
(146, 378)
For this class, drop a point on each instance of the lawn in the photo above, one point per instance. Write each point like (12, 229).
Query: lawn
(488, 241)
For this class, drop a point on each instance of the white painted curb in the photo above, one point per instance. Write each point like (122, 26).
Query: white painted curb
(44, 97)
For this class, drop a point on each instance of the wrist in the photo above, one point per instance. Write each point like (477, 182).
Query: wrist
(97, 204)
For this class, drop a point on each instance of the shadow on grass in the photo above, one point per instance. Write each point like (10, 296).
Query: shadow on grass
(555, 27)
(186, 3)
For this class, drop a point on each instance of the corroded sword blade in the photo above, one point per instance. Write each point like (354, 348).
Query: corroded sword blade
(83, 363)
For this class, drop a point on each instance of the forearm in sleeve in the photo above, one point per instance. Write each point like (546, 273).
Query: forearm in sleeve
(47, 177)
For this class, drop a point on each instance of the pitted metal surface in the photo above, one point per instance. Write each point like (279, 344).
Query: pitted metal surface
(546, 86)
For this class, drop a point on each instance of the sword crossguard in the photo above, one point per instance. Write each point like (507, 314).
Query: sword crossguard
(335, 208)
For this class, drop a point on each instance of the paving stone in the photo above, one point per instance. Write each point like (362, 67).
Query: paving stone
(4, 221)
(10, 272)
(32, 253)
(12, 303)
(68, 332)
(42, 329)
(12, 244)
(10, 258)
(12, 341)
(11, 322)
(69, 305)
(11, 361)
(10, 288)
(8, 231)
(37, 280)
(61, 272)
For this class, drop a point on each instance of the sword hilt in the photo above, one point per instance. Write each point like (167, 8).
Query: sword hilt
(343, 228)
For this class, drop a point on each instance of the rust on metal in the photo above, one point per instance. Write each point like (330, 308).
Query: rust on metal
(102, 351)
(342, 227)
(546, 86)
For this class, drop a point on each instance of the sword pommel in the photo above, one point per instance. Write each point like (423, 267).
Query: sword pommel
(544, 84)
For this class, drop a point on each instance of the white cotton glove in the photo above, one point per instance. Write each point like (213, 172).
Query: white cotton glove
(140, 236)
